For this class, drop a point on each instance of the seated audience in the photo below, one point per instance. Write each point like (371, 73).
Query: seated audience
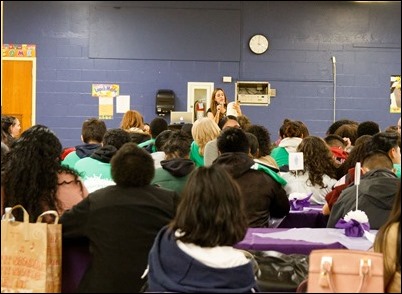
(95, 170)
(388, 242)
(377, 189)
(356, 155)
(292, 136)
(33, 176)
(92, 133)
(159, 143)
(203, 131)
(133, 121)
(318, 176)
(195, 252)
(10, 129)
(139, 138)
(391, 144)
(243, 121)
(337, 146)
(157, 126)
(253, 143)
(264, 146)
(211, 149)
(349, 133)
(121, 222)
(263, 195)
(335, 125)
(176, 167)
(367, 128)
(362, 146)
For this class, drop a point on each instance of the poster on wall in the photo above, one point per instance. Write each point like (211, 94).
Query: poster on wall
(105, 94)
(18, 50)
(395, 95)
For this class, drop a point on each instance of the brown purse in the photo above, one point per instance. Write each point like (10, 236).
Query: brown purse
(345, 271)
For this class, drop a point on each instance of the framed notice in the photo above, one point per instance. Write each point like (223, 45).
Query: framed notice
(395, 94)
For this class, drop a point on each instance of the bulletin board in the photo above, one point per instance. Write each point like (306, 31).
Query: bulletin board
(164, 33)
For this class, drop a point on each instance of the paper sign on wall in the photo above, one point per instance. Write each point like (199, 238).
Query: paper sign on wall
(105, 107)
(296, 161)
(122, 103)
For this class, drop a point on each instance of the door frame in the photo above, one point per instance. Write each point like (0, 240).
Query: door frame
(24, 59)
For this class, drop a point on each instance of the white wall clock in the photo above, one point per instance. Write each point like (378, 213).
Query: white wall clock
(258, 44)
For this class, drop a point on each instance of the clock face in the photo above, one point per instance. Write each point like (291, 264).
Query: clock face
(258, 44)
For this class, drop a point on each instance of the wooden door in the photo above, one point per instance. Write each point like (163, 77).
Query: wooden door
(18, 90)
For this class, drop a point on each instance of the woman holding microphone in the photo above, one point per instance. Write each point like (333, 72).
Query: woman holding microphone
(219, 106)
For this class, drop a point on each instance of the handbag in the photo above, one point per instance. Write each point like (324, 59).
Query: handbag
(30, 254)
(345, 271)
(280, 272)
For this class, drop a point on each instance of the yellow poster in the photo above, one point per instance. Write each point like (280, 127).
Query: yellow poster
(105, 107)
(105, 90)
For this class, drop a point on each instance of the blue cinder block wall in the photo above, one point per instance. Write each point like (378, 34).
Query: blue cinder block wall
(365, 39)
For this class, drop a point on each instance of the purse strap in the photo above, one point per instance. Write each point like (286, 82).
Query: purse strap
(326, 276)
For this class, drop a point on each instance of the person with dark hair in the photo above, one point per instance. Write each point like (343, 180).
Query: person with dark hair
(243, 121)
(33, 176)
(349, 134)
(265, 146)
(10, 129)
(186, 129)
(377, 190)
(92, 133)
(281, 131)
(159, 143)
(293, 133)
(335, 125)
(157, 126)
(318, 175)
(4, 150)
(367, 128)
(121, 222)
(388, 242)
(253, 143)
(346, 172)
(195, 253)
(219, 104)
(95, 169)
(262, 191)
(137, 137)
(337, 146)
(391, 144)
(177, 166)
(211, 148)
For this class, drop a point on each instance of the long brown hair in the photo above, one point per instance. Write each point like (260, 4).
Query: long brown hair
(213, 104)
(211, 212)
(318, 160)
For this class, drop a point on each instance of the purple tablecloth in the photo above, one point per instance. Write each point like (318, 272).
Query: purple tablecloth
(253, 242)
(305, 219)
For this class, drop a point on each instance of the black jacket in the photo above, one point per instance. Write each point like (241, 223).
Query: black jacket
(264, 197)
(377, 192)
(121, 224)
